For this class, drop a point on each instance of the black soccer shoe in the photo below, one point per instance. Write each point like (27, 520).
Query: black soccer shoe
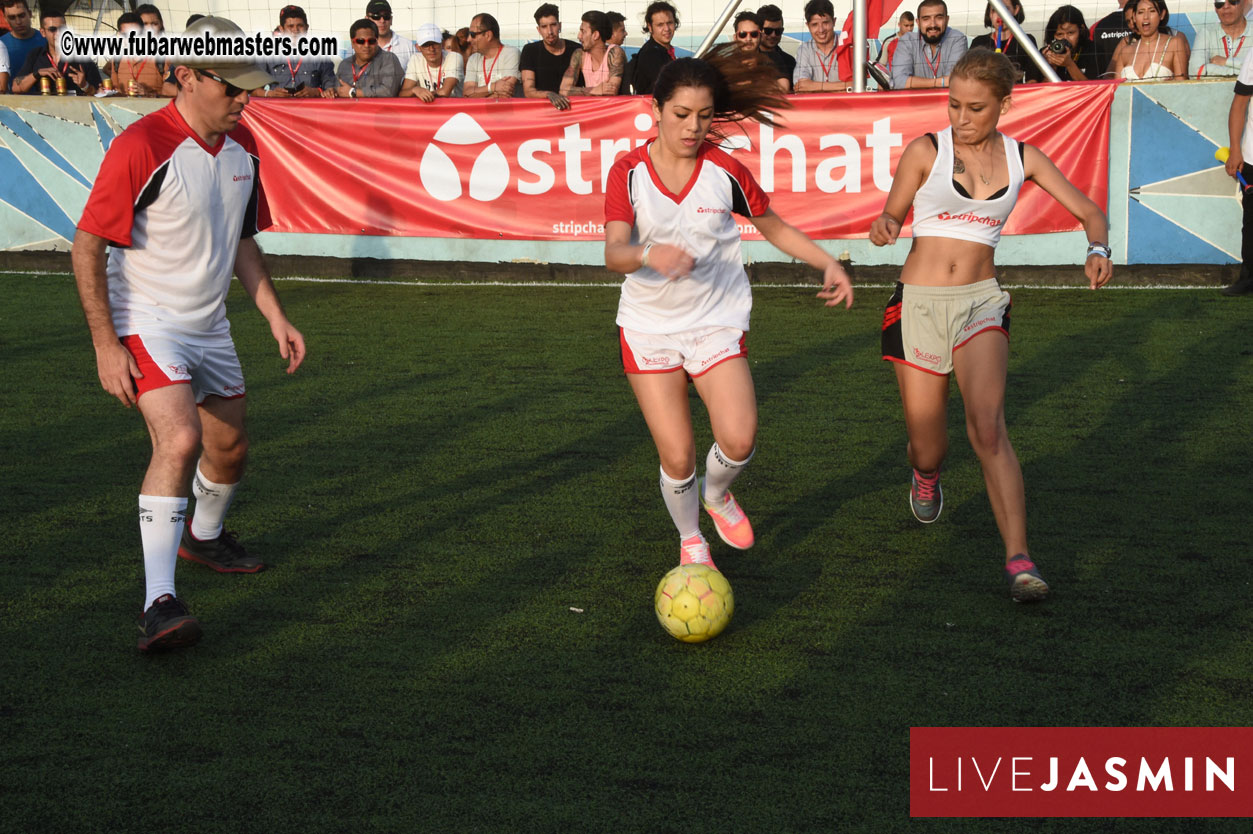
(224, 554)
(1242, 286)
(167, 625)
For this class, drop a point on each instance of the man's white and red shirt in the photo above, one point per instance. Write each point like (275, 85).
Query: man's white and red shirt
(716, 293)
(174, 210)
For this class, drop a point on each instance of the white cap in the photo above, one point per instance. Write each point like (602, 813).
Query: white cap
(428, 33)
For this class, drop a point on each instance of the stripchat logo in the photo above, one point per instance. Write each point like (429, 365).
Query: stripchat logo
(489, 176)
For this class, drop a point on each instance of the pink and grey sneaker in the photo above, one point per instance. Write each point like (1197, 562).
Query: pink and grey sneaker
(695, 551)
(1025, 582)
(926, 499)
(729, 520)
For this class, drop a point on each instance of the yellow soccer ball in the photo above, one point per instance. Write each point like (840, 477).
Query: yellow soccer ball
(694, 603)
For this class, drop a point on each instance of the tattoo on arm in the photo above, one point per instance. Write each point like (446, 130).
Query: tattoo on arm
(572, 74)
(617, 63)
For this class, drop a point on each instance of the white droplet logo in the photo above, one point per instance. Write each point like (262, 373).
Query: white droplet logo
(489, 176)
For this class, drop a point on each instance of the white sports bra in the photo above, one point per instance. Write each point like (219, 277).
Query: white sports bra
(940, 210)
(1155, 69)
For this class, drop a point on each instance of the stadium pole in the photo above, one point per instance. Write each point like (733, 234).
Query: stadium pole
(1030, 48)
(717, 27)
(859, 46)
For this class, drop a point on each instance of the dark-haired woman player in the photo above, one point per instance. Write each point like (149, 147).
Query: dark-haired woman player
(948, 313)
(685, 302)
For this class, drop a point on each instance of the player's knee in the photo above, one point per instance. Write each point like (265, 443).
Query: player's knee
(739, 446)
(678, 465)
(986, 433)
(179, 444)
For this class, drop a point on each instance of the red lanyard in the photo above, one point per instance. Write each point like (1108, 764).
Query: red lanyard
(356, 75)
(827, 67)
(935, 68)
(1237, 52)
(137, 67)
(1001, 46)
(487, 80)
(293, 72)
(62, 69)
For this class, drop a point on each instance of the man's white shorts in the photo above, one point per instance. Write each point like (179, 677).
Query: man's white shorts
(210, 367)
(695, 351)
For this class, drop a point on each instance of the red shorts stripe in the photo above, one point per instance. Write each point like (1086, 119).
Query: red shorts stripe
(154, 376)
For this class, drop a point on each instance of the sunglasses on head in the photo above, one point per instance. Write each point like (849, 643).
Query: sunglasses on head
(755, 34)
(379, 16)
(365, 41)
(772, 30)
(230, 89)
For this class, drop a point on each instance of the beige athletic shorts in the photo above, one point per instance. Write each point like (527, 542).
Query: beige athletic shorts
(922, 326)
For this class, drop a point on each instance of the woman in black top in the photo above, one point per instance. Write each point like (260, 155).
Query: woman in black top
(1068, 46)
(1002, 40)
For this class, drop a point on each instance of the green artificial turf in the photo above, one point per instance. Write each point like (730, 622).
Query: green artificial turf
(455, 469)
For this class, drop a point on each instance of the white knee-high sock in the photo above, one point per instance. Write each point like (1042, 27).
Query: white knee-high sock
(161, 521)
(683, 503)
(720, 472)
(212, 502)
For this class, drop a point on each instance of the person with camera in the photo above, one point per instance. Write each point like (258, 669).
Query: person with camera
(1068, 46)
(1001, 39)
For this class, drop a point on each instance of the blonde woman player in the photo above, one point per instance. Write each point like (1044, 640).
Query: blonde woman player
(684, 311)
(948, 314)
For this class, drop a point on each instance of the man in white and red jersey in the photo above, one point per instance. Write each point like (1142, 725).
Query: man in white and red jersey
(178, 198)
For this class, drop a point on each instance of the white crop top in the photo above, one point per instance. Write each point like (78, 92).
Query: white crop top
(941, 211)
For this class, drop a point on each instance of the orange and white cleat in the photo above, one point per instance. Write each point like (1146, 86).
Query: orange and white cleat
(695, 551)
(729, 520)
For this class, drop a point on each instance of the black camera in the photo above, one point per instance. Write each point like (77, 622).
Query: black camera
(1059, 46)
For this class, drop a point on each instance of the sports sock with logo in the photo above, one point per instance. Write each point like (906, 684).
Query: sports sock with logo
(720, 472)
(161, 522)
(683, 503)
(212, 502)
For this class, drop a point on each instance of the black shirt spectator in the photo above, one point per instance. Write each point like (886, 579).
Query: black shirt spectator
(1108, 32)
(648, 63)
(38, 60)
(785, 62)
(548, 68)
(1014, 52)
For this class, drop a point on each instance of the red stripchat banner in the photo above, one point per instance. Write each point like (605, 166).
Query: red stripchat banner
(519, 169)
(1081, 772)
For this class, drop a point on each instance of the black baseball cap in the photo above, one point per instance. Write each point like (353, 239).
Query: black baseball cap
(378, 7)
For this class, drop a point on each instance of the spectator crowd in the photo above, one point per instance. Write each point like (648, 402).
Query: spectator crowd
(1134, 42)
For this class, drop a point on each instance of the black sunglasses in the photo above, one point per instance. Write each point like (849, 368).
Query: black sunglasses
(365, 41)
(475, 34)
(755, 34)
(1218, 4)
(772, 30)
(379, 16)
(230, 89)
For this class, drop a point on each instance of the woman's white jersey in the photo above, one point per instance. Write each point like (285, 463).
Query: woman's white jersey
(941, 211)
(700, 220)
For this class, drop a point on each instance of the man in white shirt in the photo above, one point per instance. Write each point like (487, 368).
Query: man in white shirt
(434, 72)
(493, 71)
(1220, 48)
(380, 12)
(4, 69)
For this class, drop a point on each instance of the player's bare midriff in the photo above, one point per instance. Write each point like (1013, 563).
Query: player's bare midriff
(946, 262)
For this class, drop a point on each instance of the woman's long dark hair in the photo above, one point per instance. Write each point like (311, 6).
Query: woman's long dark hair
(743, 84)
(1068, 14)
(1161, 10)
